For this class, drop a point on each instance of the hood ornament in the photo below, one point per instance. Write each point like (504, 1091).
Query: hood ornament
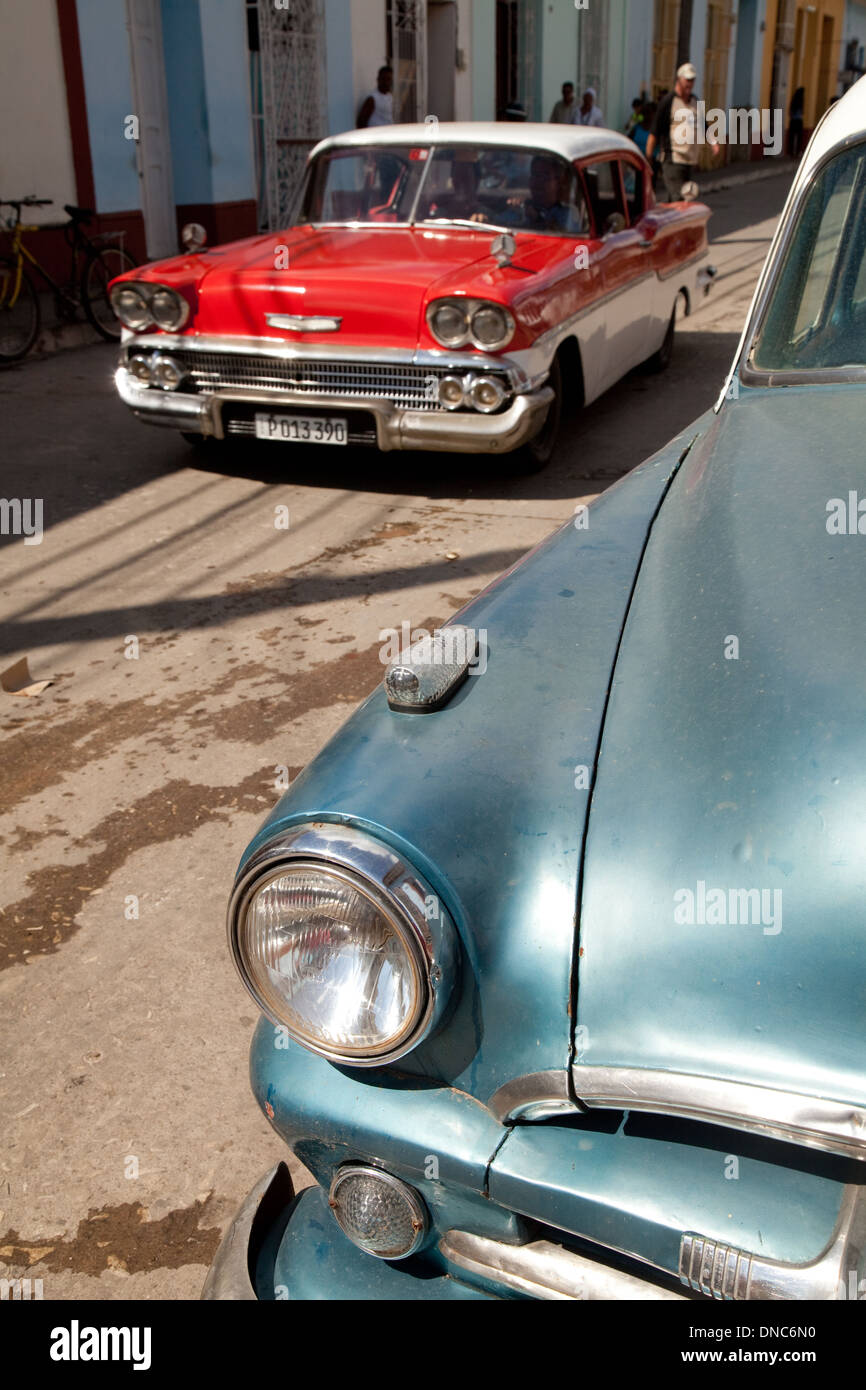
(503, 248)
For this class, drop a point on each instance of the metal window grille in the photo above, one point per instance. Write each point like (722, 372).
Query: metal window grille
(292, 58)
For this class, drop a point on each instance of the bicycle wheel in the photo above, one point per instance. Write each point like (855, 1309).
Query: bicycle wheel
(100, 269)
(19, 321)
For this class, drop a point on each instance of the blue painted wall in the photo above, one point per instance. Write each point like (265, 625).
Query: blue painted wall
(338, 46)
(108, 88)
(227, 93)
(187, 103)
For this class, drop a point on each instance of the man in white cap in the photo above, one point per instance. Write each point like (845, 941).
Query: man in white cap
(675, 131)
(589, 113)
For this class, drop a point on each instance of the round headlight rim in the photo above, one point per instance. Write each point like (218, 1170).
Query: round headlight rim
(413, 1198)
(450, 302)
(335, 844)
(471, 307)
(364, 1056)
(139, 288)
(182, 307)
(484, 306)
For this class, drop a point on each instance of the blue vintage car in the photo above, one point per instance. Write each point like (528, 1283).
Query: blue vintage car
(560, 944)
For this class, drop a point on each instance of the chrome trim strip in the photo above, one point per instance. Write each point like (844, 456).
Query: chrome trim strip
(229, 1275)
(429, 936)
(547, 1271)
(727, 1273)
(544, 1092)
(300, 323)
(815, 1122)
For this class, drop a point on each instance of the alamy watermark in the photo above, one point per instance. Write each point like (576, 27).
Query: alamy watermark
(445, 646)
(22, 516)
(732, 907)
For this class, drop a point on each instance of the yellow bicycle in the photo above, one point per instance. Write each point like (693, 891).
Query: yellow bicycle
(94, 264)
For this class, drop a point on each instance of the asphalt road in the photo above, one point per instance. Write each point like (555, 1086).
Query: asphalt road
(197, 650)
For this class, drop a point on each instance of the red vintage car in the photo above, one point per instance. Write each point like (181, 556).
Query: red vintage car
(440, 286)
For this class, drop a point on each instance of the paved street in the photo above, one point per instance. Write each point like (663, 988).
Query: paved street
(196, 649)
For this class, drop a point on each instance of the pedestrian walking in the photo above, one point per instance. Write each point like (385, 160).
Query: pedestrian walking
(675, 133)
(378, 109)
(589, 113)
(563, 111)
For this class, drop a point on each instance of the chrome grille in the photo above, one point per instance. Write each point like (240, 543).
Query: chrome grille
(405, 385)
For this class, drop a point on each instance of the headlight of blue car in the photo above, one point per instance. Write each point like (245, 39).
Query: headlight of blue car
(339, 941)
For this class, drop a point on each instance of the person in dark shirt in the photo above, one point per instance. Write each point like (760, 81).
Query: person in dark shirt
(546, 208)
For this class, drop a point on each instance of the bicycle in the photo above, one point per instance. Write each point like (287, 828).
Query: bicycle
(92, 268)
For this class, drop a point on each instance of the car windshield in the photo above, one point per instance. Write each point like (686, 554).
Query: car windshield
(816, 316)
(526, 190)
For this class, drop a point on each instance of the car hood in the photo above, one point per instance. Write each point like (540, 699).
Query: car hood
(375, 279)
(481, 795)
(723, 914)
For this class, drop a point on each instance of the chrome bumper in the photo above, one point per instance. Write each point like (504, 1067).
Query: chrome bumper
(230, 1275)
(547, 1271)
(444, 431)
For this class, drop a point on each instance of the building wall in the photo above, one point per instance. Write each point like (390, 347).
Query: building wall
(483, 60)
(342, 108)
(33, 105)
(369, 48)
(108, 89)
(556, 47)
(229, 119)
(463, 103)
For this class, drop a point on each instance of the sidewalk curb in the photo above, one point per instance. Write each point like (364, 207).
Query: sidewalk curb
(728, 178)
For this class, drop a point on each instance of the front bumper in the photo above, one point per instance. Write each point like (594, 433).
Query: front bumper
(263, 1213)
(396, 428)
(282, 1247)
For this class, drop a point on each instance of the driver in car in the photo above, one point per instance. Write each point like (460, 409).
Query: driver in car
(546, 208)
(461, 203)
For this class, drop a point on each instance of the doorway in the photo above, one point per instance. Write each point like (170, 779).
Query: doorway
(441, 55)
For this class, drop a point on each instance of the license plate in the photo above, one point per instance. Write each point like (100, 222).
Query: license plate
(301, 429)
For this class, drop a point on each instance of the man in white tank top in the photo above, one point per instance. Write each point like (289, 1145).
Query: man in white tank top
(378, 109)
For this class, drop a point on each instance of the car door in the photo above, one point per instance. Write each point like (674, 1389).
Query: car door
(627, 277)
(643, 216)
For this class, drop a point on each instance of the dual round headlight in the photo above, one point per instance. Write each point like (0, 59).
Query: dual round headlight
(455, 323)
(138, 304)
(340, 942)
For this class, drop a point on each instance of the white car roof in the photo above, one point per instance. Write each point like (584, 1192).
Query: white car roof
(569, 141)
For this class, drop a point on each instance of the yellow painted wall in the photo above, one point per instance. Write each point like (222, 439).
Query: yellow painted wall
(812, 16)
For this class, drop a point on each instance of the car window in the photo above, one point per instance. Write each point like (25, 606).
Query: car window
(816, 314)
(528, 190)
(363, 185)
(633, 186)
(603, 193)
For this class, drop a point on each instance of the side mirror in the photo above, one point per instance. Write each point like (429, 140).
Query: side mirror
(615, 223)
(689, 191)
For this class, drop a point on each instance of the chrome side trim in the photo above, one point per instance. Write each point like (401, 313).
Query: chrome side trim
(229, 1275)
(547, 1271)
(829, 1125)
(537, 1096)
(725, 1272)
